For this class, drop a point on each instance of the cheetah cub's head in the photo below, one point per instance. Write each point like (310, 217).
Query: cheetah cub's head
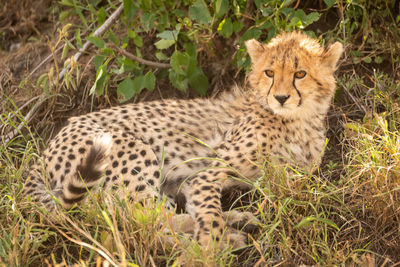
(293, 74)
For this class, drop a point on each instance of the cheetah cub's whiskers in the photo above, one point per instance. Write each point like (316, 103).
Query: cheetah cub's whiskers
(152, 148)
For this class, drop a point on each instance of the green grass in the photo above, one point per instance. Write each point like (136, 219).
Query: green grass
(345, 213)
(305, 218)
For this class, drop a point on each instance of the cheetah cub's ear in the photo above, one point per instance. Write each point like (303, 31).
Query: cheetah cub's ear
(255, 49)
(331, 55)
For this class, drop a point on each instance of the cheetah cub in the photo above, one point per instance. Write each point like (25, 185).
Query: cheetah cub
(172, 146)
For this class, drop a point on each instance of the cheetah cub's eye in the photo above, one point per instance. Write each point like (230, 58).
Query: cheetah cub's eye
(300, 74)
(269, 73)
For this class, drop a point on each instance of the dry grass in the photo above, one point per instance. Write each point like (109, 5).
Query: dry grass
(345, 213)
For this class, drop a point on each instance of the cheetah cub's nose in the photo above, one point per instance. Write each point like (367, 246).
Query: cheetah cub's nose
(281, 98)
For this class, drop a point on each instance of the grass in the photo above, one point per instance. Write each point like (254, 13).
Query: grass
(347, 212)
(305, 218)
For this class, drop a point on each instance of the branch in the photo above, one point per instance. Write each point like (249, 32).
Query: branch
(103, 28)
(141, 60)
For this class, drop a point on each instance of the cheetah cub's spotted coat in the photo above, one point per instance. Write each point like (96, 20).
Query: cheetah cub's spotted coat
(153, 147)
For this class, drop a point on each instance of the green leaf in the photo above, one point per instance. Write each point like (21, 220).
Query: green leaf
(127, 64)
(64, 52)
(309, 220)
(199, 12)
(67, 3)
(129, 9)
(179, 13)
(138, 41)
(378, 59)
(221, 7)
(179, 81)
(191, 50)
(81, 16)
(237, 26)
(97, 41)
(139, 83)
(101, 79)
(149, 80)
(63, 15)
(180, 62)
(98, 61)
(225, 28)
(43, 80)
(161, 56)
(78, 38)
(131, 34)
(330, 3)
(168, 35)
(251, 33)
(198, 81)
(126, 90)
(101, 16)
(367, 60)
(147, 20)
(98, 85)
(312, 17)
(113, 38)
(258, 3)
(163, 44)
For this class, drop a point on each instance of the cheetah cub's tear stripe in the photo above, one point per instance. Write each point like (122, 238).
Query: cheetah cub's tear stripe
(158, 147)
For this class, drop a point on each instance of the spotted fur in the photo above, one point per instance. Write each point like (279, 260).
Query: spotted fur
(154, 147)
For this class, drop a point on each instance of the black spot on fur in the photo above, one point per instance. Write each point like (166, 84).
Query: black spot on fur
(140, 188)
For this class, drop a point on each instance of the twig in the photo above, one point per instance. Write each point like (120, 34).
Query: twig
(27, 103)
(103, 28)
(141, 60)
(50, 56)
(106, 25)
(297, 5)
(353, 98)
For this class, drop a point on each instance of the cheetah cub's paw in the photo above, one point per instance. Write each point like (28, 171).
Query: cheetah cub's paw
(239, 224)
(243, 221)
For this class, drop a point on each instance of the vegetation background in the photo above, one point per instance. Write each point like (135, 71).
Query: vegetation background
(345, 213)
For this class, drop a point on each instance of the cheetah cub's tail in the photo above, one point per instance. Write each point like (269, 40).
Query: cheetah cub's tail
(88, 173)
(87, 176)
(96, 160)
